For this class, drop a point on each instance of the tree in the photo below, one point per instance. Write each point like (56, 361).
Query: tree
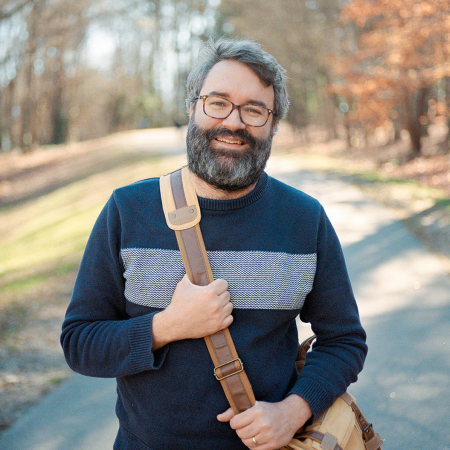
(399, 50)
(45, 33)
(52, 90)
(300, 34)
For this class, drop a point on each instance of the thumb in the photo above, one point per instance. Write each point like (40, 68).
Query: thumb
(226, 416)
(184, 283)
(186, 280)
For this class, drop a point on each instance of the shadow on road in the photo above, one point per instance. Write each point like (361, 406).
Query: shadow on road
(403, 296)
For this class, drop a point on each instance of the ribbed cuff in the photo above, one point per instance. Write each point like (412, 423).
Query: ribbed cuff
(318, 398)
(141, 340)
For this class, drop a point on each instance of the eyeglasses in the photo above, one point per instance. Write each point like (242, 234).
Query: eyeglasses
(220, 108)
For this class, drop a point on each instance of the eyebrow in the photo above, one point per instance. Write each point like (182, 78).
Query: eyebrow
(251, 102)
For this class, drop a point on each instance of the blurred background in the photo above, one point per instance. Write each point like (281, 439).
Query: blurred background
(92, 97)
(72, 71)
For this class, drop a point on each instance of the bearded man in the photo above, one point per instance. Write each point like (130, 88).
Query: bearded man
(135, 315)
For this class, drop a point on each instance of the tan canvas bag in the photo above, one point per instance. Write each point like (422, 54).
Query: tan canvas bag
(342, 426)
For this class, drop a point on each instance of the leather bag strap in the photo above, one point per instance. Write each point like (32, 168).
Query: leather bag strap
(182, 214)
(372, 440)
(326, 441)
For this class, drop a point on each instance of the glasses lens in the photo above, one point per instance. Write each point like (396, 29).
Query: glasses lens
(254, 115)
(220, 108)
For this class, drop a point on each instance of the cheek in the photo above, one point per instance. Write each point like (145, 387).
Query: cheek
(205, 122)
(200, 118)
(260, 133)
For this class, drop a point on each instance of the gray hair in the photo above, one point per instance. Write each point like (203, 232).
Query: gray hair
(244, 51)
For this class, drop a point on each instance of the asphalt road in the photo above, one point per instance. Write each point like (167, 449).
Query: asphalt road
(404, 299)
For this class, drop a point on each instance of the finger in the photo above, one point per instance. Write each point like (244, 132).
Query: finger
(242, 420)
(228, 308)
(255, 444)
(185, 281)
(226, 416)
(248, 432)
(227, 322)
(223, 299)
(219, 286)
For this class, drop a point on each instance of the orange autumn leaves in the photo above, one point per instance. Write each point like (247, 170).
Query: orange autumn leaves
(395, 49)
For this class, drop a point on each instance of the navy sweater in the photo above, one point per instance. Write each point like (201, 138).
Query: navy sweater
(281, 258)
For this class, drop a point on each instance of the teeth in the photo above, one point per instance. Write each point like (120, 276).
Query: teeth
(229, 142)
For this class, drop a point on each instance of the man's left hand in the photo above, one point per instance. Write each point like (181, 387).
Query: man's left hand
(269, 426)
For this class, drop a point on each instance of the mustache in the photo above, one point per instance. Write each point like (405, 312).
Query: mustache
(242, 135)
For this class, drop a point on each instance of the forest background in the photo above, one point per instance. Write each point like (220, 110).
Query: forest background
(369, 80)
(366, 70)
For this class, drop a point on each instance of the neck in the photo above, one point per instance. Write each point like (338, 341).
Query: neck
(205, 190)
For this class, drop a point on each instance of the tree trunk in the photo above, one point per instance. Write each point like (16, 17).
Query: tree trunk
(28, 131)
(447, 101)
(422, 110)
(59, 119)
(416, 106)
(414, 132)
(26, 134)
(397, 122)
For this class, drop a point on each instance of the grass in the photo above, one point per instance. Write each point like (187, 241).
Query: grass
(42, 240)
(404, 195)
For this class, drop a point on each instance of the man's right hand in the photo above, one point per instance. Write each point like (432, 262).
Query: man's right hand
(194, 312)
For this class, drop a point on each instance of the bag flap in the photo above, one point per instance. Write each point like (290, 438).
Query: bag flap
(339, 421)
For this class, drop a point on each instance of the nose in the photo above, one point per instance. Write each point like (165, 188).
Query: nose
(233, 121)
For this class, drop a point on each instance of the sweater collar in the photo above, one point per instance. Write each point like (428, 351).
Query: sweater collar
(241, 202)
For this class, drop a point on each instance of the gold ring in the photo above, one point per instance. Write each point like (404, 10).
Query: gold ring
(254, 440)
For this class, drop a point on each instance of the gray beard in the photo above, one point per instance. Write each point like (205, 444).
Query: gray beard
(226, 170)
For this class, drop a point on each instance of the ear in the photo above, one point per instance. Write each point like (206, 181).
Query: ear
(191, 109)
(275, 126)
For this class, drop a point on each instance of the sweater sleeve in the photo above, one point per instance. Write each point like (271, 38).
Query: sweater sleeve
(98, 337)
(339, 351)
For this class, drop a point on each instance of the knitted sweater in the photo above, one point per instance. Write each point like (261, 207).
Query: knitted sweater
(281, 258)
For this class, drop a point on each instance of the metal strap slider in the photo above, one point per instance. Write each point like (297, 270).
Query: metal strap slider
(234, 372)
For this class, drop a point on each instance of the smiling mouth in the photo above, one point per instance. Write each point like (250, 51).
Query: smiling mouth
(229, 141)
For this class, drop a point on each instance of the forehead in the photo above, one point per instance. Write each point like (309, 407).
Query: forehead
(238, 82)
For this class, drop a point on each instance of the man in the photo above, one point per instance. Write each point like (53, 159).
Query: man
(135, 315)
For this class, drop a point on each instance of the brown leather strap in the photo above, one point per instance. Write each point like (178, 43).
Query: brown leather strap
(228, 367)
(371, 439)
(321, 438)
(374, 443)
(302, 351)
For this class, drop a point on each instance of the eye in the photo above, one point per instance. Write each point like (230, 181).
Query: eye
(254, 110)
(217, 103)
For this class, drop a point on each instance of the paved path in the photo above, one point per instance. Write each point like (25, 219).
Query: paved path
(404, 299)
(79, 415)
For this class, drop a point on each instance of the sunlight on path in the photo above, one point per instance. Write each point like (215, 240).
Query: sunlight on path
(403, 293)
